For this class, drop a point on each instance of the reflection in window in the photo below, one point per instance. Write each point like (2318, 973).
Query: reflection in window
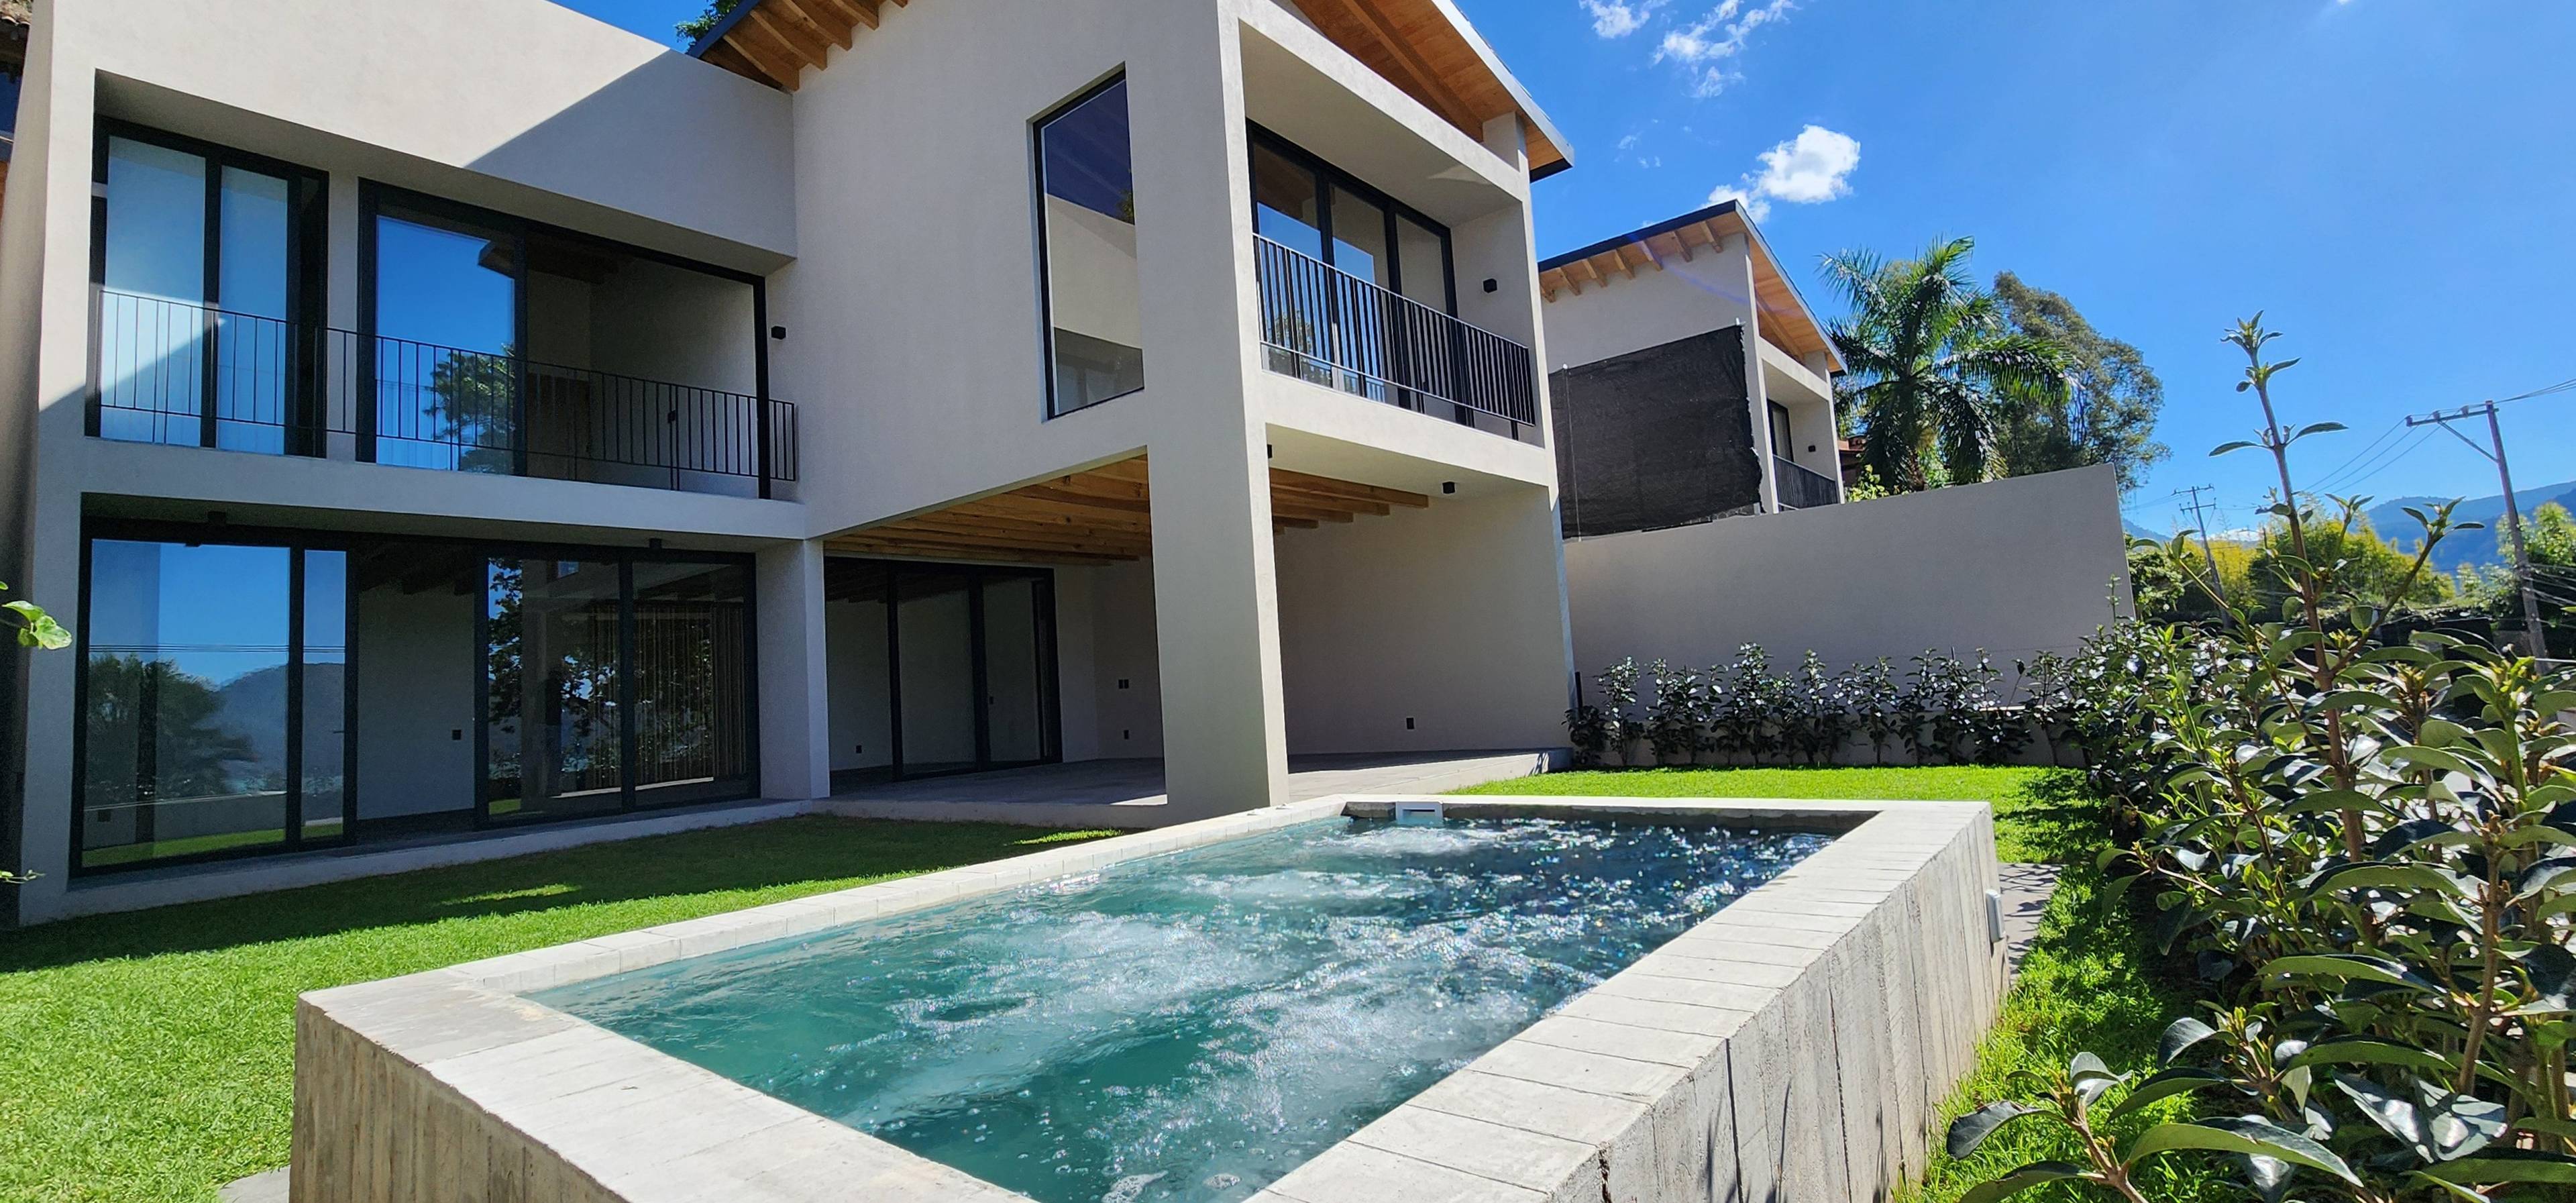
(198, 290)
(553, 689)
(1087, 188)
(447, 306)
(185, 720)
(692, 675)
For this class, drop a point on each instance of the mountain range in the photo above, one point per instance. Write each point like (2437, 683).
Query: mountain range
(2463, 547)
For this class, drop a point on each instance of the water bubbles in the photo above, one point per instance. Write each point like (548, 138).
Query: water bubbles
(1216, 1016)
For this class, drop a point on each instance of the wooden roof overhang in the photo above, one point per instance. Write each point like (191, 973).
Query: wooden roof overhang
(1098, 516)
(1424, 47)
(1786, 320)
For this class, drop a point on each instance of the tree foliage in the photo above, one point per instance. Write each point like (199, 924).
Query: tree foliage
(1929, 359)
(2107, 412)
(699, 26)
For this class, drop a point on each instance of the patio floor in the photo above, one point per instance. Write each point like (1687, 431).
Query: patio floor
(1129, 793)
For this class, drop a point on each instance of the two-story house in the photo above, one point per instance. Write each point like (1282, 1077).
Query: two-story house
(443, 423)
(1690, 379)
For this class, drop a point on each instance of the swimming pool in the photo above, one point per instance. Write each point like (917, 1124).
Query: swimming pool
(1190, 1026)
(1792, 1043)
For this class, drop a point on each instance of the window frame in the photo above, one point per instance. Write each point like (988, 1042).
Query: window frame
(298, 542)
(374, 195)
(1048, 410)
(307, 264)
(1328, 177)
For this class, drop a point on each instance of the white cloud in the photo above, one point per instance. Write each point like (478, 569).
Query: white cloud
(1745, 199)
(1707, 45)
(1812, 168)
(1619, 18)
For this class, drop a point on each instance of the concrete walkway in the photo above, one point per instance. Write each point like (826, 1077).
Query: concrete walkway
(1129, 793)
(2026, 889)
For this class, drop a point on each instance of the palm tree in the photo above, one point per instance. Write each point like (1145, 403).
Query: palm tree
(1930, 360)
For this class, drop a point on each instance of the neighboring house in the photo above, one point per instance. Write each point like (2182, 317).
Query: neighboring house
(443, 419)
(1690, 381)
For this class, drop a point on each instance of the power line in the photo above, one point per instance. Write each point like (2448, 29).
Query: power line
(2328, 480)
(2396, 453)
(2532, 629)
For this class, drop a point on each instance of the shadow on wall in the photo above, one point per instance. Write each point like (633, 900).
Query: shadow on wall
(710, 150)
(764, 856)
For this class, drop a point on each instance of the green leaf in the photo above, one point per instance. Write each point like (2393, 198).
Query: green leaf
(2179, 1037)
(2374, 1052)
(2345, 966)
(2249, 1135)
(2020, 1180)
(2181, 1079)
(1971, 1130)
(2238, 445)
(2389, 877)
(2317, 428)
(2495, 1167)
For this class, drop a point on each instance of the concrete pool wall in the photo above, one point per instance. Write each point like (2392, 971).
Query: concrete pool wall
(1791, 1047)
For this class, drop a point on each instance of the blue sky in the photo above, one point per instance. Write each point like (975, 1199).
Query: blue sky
(2391, 180)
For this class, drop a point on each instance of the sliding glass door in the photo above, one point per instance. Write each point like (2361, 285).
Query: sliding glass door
(555, 689)
(208, 292)
(938, 669)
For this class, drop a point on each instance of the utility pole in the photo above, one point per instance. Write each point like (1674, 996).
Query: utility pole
(2536, 641)
(2200, 522)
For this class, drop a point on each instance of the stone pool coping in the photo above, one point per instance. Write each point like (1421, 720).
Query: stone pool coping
(1792, 1045)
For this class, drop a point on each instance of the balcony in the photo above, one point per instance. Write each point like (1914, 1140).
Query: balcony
(167, 371)
(1802, 488)
(1325, 325)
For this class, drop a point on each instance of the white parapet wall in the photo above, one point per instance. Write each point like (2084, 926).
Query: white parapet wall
(2014, 567)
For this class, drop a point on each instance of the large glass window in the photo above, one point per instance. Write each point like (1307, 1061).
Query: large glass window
(447, 305)
(1087, 214)
(692, 672)
(210, 700)
(555, 694)
(938, 668)
(1344, 261)
(224, 710)
(204, 277)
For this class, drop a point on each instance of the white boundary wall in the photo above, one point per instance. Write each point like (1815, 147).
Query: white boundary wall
(2012, 566)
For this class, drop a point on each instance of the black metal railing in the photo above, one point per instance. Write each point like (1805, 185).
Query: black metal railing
(168, 371)
(1802, 488)
(1336, 329)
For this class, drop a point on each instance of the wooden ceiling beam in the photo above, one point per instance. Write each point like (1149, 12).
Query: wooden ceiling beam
(831, 26)
(809, 47)
(1081, 500)
(856, 12)
(1306, 480)
(1427, 84)
(781, 67)
(724, 54)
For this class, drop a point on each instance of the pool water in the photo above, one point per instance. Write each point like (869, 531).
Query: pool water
(1193, 1026)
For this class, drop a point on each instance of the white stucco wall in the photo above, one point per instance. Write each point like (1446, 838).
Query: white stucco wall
(1712, 290)
(1411, 616)
(2013, 566)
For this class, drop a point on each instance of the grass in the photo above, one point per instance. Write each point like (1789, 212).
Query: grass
(150, 1056)
(2041, 815)
(2091, 981)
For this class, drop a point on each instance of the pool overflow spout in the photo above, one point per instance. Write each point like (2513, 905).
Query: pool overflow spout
(1417, 814)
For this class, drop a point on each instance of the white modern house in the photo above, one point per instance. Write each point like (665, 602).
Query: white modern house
(1691, 380)
(447, 424)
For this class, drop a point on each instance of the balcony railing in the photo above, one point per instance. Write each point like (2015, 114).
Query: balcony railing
(1802, 488)
(167, 371)
(1338, 330)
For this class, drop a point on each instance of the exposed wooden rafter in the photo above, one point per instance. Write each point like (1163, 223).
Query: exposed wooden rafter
(1098, 516)
(1784, 318)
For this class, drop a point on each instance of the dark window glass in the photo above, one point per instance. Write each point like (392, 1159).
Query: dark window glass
(1286, 204)
(692, 675)
(184, 743)
(1780, 445)
(1087, 193)
(553, 689)
(196, 293)
(9, 79)
(1422, 255)
(324, 742)
(936, 667)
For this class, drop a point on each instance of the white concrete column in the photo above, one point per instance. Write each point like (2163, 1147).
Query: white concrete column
(1757, 395)
(795, 685)
(1216, 610)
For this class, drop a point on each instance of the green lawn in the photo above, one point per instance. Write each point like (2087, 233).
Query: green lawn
(150, 1056)
(2090, 982)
